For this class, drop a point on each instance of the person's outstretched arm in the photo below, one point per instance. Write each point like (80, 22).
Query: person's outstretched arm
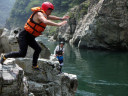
(49, 22)
(51, 17)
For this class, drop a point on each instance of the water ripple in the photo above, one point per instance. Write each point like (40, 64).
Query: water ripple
(107, 83)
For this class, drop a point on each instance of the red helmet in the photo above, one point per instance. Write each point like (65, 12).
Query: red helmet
(47, 5)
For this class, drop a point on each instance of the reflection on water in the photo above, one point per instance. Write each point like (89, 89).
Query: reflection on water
(100, 73)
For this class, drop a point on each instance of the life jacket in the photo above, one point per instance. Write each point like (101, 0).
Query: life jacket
(32, 27)
(60, 51)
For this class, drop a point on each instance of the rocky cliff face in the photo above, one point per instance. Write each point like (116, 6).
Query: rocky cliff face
(104, 26)
(76, 14)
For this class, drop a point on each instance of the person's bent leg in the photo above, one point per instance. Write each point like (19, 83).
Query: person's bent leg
(37, 51)
(22, 47)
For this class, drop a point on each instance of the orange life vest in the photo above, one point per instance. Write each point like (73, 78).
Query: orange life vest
(33, 27)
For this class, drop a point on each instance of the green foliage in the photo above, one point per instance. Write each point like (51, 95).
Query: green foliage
(18, 13)
(64, 5)
(5, 8)
(80, 11)
(32, 4)
(84, 7)
(21, 12)
(50, 31)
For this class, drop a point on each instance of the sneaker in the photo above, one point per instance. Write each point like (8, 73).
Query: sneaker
(2, 59)
(36, 67)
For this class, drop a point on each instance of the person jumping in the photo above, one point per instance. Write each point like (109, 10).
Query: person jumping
(34, 27)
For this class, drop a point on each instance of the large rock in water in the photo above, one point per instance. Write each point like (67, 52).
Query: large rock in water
(9, 43)
(43, 82)
(105, 26)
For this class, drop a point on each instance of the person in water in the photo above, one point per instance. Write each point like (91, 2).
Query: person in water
(59, 52)
(34, 27)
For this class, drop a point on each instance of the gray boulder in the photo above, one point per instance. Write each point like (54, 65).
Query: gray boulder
(48, 69)
(48, 81)
(12, 80)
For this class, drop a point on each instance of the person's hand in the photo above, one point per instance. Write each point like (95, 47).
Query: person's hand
(65, 17)
(62, 23)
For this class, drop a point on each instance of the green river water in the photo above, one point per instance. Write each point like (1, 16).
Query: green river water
(99, 73)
